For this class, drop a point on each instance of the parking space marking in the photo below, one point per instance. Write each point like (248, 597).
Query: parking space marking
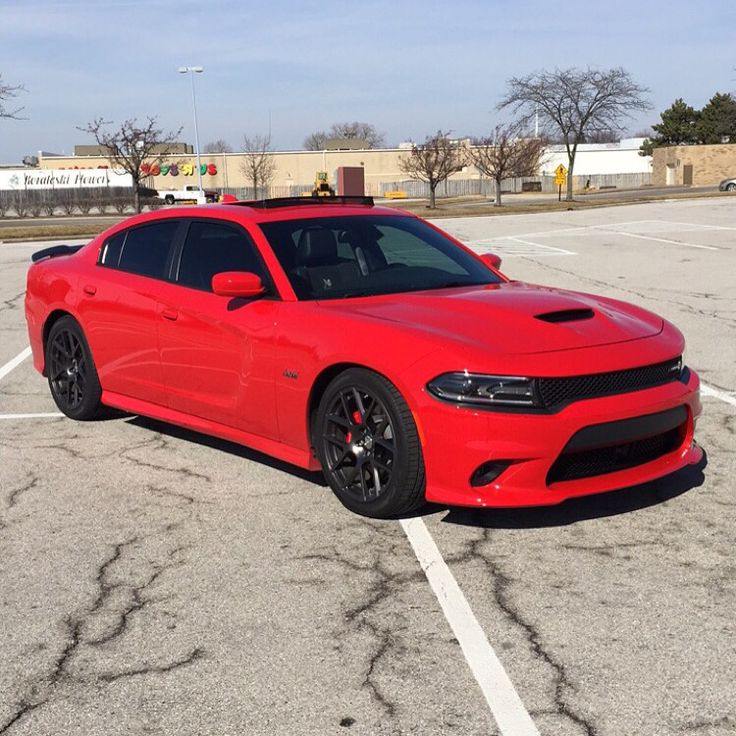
(517, 248)
(499, 692)
(37, 415)
(15, 362)
(729, 397)
(557, 251)
(617, 229)
(659, 240)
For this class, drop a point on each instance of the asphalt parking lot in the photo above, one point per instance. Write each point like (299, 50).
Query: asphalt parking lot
(154, 581)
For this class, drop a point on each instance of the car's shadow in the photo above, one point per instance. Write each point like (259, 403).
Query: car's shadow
(569, 512)
(232, 448)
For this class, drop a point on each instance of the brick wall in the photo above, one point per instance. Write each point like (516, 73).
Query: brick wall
(711, 164)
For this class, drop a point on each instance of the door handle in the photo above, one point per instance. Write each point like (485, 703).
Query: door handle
(89, 289)
(170, 314)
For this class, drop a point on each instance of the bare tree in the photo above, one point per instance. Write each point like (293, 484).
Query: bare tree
(131, 144)
(218, 146)
(506, 153)
(576, 103)
(9, 92)
(603, 136)
(316, 141)
(434, 161)
(362, 131)
(259, 165)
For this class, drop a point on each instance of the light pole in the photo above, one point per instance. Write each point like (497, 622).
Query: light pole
(192, 70)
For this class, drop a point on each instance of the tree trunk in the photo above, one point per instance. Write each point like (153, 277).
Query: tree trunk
(571, 165)
(432, 196)
(136, 197)
(497, 203)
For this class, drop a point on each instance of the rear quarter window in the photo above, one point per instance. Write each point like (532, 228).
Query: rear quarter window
(143, 250)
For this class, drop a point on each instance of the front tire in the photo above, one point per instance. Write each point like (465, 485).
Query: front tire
(731, 187)
(73, 381)
(169, 199)
(368, 445)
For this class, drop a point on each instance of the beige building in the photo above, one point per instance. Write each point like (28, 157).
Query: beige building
(693, 165)
(292, 168)
(295, 171)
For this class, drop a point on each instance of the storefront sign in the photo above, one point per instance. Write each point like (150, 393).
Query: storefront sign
(21, 179)
(185, 169)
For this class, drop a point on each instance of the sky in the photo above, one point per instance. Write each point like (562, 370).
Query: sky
(408, 67)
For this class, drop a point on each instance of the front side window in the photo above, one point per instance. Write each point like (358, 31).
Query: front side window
(212, 247)
(145, 250)
(337, 257)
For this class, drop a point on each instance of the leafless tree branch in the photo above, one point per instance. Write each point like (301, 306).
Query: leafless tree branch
(10, 92)
(506, 153)
(575, 103)
(132, 144)
(259, 166)
(434, 161)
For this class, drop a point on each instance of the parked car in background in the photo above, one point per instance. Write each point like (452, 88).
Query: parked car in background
(364, 341)
(728, 185)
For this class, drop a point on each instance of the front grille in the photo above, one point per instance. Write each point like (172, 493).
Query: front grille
(602, 460)
(556, 392)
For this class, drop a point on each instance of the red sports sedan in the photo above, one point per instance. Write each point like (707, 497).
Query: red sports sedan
(366, 342)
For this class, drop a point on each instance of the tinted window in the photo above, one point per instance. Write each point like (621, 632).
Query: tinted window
(211, 248)
(336, 257)
(110, 253)
(146, 249)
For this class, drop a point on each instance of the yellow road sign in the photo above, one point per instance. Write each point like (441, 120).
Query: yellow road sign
(560, 175)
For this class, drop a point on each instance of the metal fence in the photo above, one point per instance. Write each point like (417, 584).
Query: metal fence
(487, 187)
(55, 202)
(50, 202)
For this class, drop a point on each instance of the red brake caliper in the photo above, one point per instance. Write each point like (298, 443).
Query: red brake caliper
(358, 420)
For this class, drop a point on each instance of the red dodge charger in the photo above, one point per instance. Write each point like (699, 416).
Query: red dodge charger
(366, 342)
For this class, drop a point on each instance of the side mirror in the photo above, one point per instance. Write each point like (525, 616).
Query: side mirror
(237, 283)
(492, 260)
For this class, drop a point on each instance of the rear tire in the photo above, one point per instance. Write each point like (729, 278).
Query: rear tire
(73, 381)
(169, 199)
(731, 188)
(368, 445)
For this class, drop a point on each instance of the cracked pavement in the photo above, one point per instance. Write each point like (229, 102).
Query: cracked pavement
(154, 581)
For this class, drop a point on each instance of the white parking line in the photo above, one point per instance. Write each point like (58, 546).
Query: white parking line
(509, 712)
(659, 240)
(38, 415)
(15, 362)
(728, 396)
(558, 251)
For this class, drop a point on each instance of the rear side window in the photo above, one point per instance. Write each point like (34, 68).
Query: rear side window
(146, 249)
(110, 253)
(210, 248)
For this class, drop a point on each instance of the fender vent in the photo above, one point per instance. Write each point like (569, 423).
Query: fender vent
(566, 315)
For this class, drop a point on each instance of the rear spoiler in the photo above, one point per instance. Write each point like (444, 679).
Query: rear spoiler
(55, 250)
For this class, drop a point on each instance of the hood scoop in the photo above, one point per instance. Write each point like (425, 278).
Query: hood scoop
(566, 315)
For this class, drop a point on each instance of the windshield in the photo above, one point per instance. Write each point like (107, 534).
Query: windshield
(338, 257)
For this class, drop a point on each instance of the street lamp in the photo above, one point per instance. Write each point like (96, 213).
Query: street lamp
(195, 70)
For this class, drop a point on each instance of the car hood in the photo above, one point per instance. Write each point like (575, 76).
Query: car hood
(511, 317)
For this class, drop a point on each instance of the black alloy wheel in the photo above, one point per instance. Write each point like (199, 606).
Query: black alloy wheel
(71, 371)
(368, 445)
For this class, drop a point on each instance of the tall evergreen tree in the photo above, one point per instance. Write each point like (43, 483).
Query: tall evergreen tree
(679, 126)
(717, 123)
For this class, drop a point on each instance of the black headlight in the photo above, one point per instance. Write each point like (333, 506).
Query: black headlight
(484, 390)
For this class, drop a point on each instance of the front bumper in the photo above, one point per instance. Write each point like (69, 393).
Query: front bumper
(457, 440)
